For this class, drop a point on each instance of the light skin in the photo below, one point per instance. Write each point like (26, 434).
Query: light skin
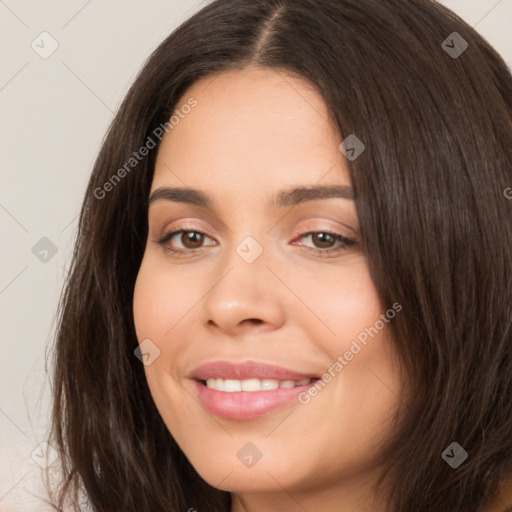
(254, 133)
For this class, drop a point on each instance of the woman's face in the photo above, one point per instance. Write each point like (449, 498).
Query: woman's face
(261, 295)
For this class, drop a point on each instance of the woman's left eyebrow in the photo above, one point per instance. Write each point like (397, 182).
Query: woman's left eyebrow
(283, 198)
(310, 193)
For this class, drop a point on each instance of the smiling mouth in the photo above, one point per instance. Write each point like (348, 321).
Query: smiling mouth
(257, 397)
(253, 385)
(246, 390)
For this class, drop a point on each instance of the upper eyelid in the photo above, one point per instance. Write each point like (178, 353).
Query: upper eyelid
(213, 222)
(195, 225)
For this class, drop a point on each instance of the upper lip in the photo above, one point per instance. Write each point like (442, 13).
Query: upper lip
(246, 370)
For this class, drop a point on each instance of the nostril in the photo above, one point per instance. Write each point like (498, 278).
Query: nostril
(255, 321)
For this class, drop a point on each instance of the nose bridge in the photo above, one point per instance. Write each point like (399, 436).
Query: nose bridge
(249, 240)
(244, 267)
(250, 250)
(246, 289)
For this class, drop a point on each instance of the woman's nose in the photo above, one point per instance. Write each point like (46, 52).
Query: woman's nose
(248, 295)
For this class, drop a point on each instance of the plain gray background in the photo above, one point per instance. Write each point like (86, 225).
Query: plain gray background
(55, 110)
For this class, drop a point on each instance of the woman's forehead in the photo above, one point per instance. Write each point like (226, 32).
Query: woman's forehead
(254, 124)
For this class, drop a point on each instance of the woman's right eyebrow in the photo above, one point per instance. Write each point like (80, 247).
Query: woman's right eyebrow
(181, 195)
(283, 198)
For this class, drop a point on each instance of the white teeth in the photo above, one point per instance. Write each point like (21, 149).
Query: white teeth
(233, 386)
(269, 384)
(251, 385)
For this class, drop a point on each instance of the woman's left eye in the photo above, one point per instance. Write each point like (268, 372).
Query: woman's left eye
(326, 240)
(192, 240)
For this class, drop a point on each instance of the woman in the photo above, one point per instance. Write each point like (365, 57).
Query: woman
(291, 286)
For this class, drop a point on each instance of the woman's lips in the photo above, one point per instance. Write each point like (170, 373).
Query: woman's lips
(246, 405)
(246, 370)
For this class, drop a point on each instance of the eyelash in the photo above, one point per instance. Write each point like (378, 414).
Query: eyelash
(344, 242)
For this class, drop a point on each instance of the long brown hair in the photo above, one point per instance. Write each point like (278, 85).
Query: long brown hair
(435, 221)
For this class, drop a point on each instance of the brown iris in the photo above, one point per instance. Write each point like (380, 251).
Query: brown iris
(192, 239)
(321, 239)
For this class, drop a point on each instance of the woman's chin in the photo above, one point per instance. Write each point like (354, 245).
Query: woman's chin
(246, 469)
(247, 480)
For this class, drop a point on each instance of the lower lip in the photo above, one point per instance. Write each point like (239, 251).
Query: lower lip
(247, 405)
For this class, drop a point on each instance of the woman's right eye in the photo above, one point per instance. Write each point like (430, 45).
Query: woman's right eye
(190, 240)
